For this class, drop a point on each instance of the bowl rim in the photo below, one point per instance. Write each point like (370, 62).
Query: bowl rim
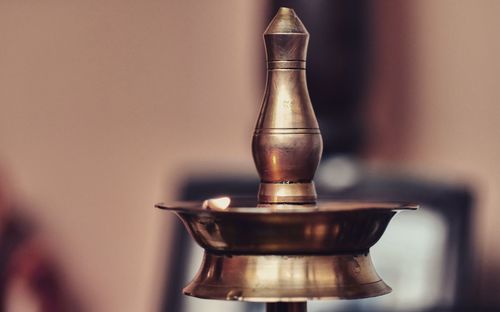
(248, 205)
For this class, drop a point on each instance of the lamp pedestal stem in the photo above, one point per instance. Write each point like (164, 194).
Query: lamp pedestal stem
(286, 307)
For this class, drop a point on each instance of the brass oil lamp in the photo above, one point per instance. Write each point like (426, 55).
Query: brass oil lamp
(286, 247)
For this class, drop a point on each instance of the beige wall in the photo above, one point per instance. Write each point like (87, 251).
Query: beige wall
(103, 106)
(456, 128)
(436, 106)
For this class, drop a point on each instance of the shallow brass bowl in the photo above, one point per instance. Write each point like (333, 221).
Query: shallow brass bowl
(283, 252)
(327, 228)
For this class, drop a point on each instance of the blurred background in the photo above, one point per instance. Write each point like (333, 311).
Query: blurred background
(108, 107)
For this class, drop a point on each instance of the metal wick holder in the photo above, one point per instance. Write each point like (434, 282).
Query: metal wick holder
(286, 247)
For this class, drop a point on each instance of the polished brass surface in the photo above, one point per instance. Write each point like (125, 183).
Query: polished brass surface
(286, 307)
(330, 227)
(287, 143)
(292, 278)
(286, 247)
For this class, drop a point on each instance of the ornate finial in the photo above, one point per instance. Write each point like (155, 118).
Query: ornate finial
(287, 143)
(286, 37)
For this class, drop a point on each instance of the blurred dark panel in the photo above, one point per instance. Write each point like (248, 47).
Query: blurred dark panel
(337, 67)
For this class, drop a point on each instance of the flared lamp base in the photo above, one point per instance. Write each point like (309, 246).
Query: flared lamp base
(280, 278)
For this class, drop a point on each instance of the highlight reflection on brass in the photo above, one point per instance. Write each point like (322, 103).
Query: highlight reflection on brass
(292, 278)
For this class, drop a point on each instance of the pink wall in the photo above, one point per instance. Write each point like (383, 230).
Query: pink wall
(103, 106)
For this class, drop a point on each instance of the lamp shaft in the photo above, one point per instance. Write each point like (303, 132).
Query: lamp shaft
(287, 142)
(286, 307)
